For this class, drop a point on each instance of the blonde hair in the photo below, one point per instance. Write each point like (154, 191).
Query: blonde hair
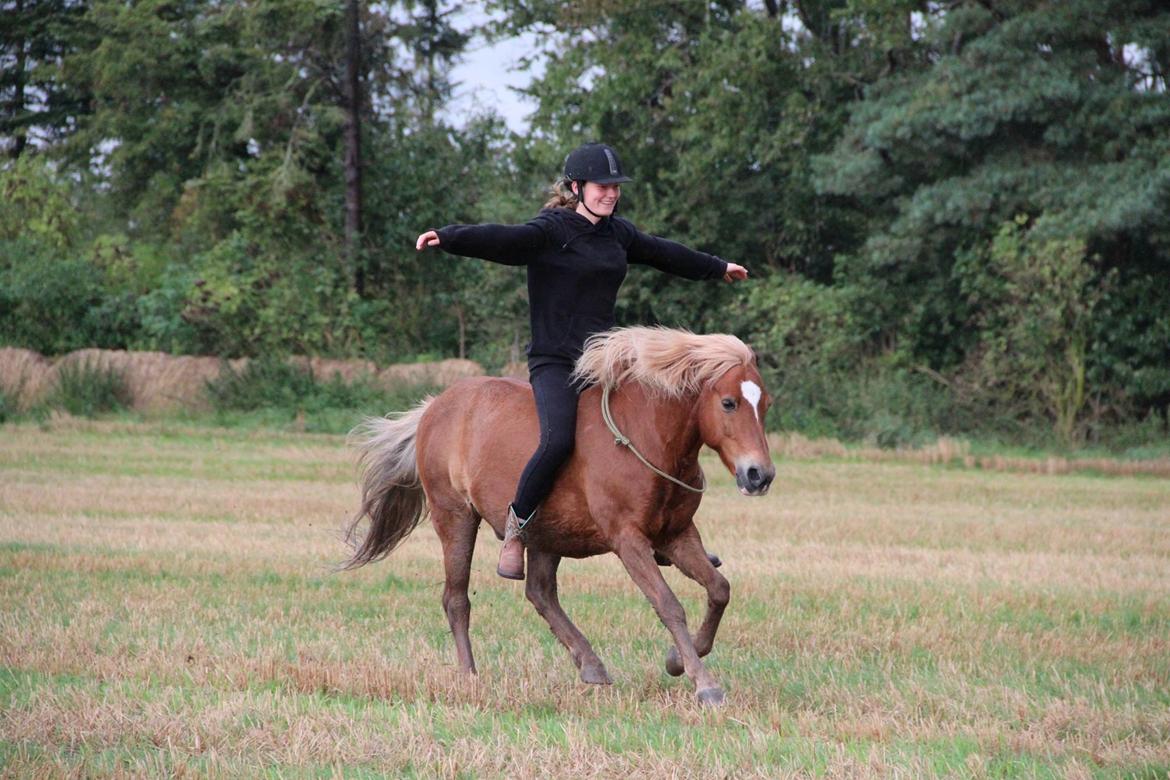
(674, 363)
(561, 195)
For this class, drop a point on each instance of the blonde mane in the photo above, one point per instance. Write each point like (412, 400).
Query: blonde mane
(672, 362)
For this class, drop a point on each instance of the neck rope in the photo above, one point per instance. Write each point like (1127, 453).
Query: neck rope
(622, 439)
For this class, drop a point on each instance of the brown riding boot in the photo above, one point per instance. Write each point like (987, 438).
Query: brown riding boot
(511, 565)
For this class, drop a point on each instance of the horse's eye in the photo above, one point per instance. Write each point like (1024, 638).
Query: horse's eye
(729, 404)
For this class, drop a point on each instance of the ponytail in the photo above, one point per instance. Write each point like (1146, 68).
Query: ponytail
(561, 195)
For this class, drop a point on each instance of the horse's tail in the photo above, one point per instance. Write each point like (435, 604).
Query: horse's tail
(392, 495)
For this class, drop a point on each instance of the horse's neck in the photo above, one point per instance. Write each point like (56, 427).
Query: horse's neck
(666, 427)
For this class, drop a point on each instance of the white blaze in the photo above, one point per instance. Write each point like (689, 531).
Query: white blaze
(751, 391)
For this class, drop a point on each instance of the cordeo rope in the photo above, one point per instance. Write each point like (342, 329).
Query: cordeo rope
(622, 439)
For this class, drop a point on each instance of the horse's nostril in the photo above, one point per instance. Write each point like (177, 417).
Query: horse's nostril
(753, 475)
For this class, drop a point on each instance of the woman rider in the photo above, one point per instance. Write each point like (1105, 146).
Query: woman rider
(577, 254)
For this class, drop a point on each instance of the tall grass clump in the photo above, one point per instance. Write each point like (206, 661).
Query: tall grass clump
(270, 390)
(262, 383)
(88, 388)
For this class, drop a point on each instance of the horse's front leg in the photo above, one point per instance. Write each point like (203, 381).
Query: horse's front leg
(541, 590)
(687, 553)
(637, 556)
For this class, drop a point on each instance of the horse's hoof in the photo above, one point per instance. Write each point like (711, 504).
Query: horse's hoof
(595, 674)
(674, 664)
(711, 697)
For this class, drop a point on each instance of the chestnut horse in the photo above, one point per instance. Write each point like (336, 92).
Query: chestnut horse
(460, 456)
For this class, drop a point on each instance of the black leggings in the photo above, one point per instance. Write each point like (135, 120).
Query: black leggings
(556, 408)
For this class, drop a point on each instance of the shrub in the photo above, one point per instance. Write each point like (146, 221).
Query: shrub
(56, 303)
(1034, 305)
(270, 386)
(263, 383)
(88, 388)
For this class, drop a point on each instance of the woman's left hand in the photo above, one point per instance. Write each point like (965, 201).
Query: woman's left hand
(735, 273)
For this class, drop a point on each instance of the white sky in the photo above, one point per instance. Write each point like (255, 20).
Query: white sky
(483, 78)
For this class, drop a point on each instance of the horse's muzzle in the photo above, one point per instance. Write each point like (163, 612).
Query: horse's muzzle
(754, 479)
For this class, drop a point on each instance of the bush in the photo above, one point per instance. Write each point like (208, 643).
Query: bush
(87, 389)
(885, 406)
(271, 388)
(56, 303)
(263, 383)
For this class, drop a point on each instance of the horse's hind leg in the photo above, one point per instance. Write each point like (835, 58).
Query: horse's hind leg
(457, 532)
(687, 553)
(541, 590)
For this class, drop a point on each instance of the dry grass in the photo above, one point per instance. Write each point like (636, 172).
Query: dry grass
(440, 373)
(169, 610)
(23, 375)
(158, 382)
(950, 451)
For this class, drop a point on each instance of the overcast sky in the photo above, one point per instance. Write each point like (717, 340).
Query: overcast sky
(486, 73)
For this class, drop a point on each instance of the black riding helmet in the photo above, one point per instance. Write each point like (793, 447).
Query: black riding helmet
(598, 163)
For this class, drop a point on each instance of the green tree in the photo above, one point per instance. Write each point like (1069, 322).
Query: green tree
(1036, 301)
(1054, 111)
(35, 37)
(39, 205)
(60, 288)
(716, 112)
(219, 132)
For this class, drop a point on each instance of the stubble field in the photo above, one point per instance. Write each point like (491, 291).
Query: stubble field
(167, 607)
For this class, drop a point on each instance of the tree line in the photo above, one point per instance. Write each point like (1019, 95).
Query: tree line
(956, 214)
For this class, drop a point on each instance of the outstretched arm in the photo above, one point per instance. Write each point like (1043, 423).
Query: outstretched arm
(506, 244)
(674, 258)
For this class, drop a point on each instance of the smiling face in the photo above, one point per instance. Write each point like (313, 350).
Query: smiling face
(600, 198)
(731, 421)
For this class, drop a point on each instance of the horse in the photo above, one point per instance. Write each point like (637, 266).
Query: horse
(459, 455)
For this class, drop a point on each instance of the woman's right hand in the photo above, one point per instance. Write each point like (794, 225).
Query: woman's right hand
(429, 238)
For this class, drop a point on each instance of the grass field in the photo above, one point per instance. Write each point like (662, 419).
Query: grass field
(167, 608)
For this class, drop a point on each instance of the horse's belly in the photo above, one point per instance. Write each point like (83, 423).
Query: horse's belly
(567, 546)
(564, 527)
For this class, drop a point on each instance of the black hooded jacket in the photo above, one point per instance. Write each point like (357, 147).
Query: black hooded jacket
(574, 270)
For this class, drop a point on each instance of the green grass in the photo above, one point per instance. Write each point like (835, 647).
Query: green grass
(169, 609)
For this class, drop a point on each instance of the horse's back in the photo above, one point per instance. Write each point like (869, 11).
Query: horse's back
(473, 406)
